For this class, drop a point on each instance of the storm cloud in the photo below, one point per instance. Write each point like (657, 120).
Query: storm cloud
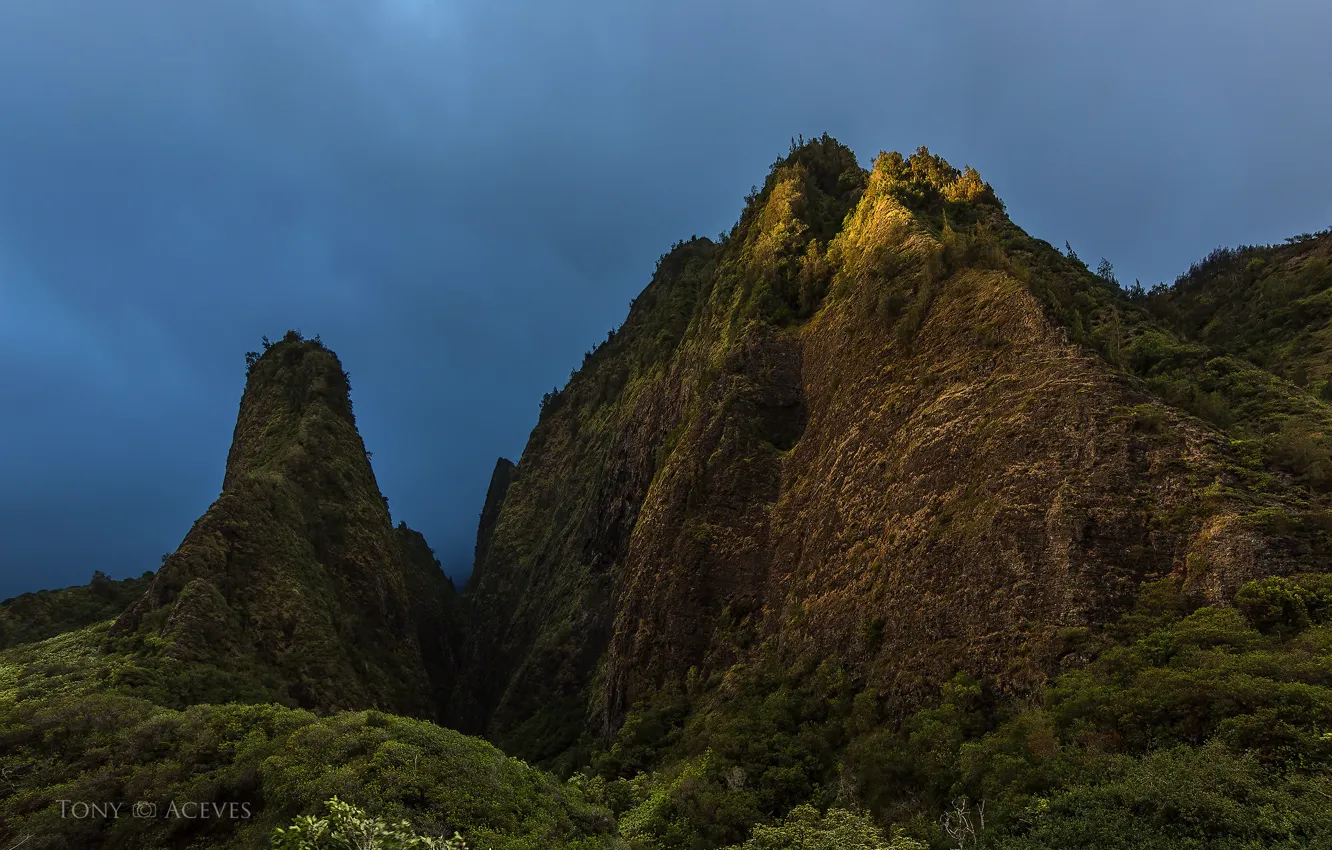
(463, 198)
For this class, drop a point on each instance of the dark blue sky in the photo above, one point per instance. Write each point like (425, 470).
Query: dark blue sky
(463, 198)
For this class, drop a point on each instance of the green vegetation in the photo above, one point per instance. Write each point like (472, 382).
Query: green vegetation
(46, 613)
(805, 828)
(1267, 304)
(279, 763)
(1243, 340)
(349, 828)
(1002, 667)
(1192, 727)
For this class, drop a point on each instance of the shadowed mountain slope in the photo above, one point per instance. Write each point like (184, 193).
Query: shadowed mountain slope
(294, 587)
(1269, 304)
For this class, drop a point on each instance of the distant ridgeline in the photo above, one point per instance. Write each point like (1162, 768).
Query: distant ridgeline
(877, 524)
(37, 616)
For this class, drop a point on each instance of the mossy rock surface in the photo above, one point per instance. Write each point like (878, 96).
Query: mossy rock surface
(294, 587)
(879, 423)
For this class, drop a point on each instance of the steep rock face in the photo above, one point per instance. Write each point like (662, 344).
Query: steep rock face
(954, 506)
(499, 485)
(293, 586)
(436, 612)
(543, 587)
(860, 426)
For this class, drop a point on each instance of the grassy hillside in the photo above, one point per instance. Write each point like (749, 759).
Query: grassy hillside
(70, 731)
(36, 616)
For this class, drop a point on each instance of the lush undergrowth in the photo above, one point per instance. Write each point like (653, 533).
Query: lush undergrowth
(1193, 727)
(253, 767)
(1206, 727)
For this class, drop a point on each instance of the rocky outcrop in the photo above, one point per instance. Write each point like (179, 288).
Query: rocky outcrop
(855, 427)
(499, 485)
(294, 586)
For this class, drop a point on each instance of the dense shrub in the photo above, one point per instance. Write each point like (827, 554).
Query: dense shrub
(805, 828)
(348, 828)
(1191, 727)
(282, 764)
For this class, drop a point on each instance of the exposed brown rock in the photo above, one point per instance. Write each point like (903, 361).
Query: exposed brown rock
(877, 445)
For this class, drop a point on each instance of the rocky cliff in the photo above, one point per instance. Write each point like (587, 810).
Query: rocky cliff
(876, 424)
(294, 586)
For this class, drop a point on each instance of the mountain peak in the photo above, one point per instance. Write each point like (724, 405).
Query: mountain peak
(876, 424)
(294, 586)
(292, 380)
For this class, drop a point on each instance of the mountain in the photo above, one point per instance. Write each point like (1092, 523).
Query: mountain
(265, 669)
(878, 523)
(294, 586)
(878, 427)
